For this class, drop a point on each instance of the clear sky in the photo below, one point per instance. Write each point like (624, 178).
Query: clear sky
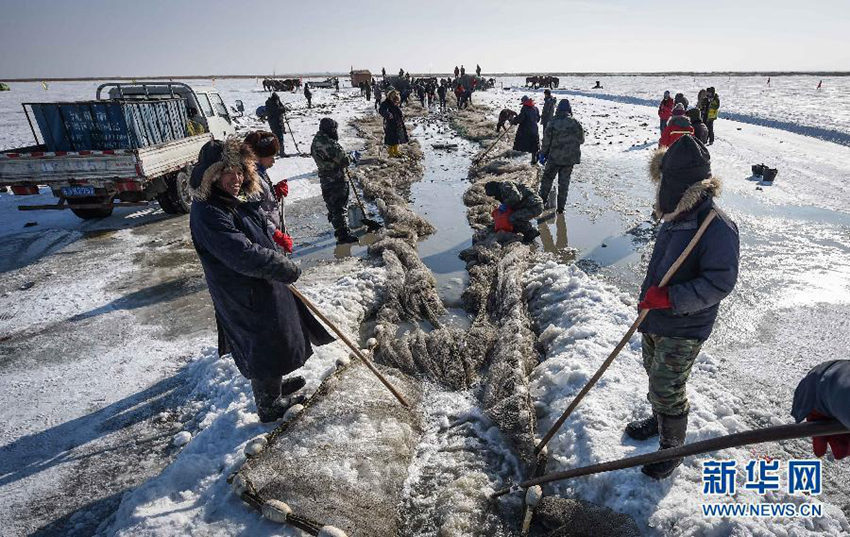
(57, 38)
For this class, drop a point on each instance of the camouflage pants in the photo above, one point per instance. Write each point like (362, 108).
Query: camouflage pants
(668, 362)
(563, 173)
(335, 194)
(520, 218)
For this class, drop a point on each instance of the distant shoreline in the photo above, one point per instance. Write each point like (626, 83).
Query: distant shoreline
(486, 75)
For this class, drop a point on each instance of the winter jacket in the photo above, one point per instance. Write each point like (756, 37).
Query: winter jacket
(713, 107)
(562, 139)
(548, 110)
(705, 278)
(268, 202)
(274, 109)
(330, 158)
(681, 99)
(700, 131)
(394, 130)
(268, 331)
(825, 389)
(665, 109)
(677, 127)
(518, 197)
(527, 137)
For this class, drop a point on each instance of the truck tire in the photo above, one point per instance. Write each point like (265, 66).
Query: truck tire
(177, 198)
(89, 214)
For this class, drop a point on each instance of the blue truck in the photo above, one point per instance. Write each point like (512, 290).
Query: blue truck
(132, 144)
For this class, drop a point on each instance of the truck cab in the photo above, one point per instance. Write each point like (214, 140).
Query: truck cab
(204, 104)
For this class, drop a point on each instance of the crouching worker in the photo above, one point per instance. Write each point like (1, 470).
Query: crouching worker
(266, 329)
(519, 204)
(331, 161)
(682, 314)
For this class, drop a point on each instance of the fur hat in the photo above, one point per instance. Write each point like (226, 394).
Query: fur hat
(683, 175)
(234, 155)
(263, 143)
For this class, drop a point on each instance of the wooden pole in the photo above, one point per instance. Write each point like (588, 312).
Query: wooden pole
(351, 345)
(480, 157)
(754, 436)
(641, 316)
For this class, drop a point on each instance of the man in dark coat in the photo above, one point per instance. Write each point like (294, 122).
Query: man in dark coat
(331, 161)
(548, 108)
(682, 314)
(824, 393)
(519, 204)
(681, 99)
(308, 95)
(477, 70)
(527, 137)
(268, 331)
(561, 150)
(378, 96)
(441, 93)
(700, 130)
(395, 132)
(275, 111)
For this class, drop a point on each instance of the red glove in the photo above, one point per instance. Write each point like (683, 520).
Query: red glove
(502, 220)
(840, 443)
(281, 190)
(657, 298)
(283, 240)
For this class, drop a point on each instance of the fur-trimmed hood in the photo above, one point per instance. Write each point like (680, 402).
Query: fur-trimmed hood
(235, 154)
(692, 196)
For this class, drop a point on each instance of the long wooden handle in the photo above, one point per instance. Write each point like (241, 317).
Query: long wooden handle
(354, 188)
(754, 436)
(482, 155)
(351, 345)
(628, 335)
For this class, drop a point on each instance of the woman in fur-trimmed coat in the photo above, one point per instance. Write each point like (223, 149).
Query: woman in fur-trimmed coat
(267, 330)
(682, 314)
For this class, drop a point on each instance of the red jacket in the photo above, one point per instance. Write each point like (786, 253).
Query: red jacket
(672, 132)
(665, 110)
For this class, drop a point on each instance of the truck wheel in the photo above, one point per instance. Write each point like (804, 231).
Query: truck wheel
(177, 199)
(89, 214)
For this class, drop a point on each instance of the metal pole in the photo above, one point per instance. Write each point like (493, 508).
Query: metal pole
(632, 329)
(754, 436)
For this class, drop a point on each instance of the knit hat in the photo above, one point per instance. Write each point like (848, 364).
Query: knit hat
(686, 162)
(679, 109)
(523, 98)
(667, 94)
(263, 143)
(564, 107)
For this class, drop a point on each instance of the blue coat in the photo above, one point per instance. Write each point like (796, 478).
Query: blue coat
(704, 279)
(825, 389)
(267, 330)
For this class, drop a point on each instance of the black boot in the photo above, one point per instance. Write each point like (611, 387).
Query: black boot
(529, 236)
(643, 429)
(291, 385)
(672, 430)
(270, 405)
(345, 236)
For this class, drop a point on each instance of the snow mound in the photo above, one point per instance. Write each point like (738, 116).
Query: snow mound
(579, 320)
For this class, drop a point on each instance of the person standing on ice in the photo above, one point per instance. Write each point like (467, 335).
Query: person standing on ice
(275, 111)
(519, 204)
(477, 70)
(265, 147)
(527, 137)
(331, 161)
(267, 330)
(561, 150)
(700, 130)
(678, 126)
(665, 110)
(682, 314)
(548, 108)
(457, 71)
(441, 93)
(713, 104)
(308, 95)
(395, 132)
(378, 93)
